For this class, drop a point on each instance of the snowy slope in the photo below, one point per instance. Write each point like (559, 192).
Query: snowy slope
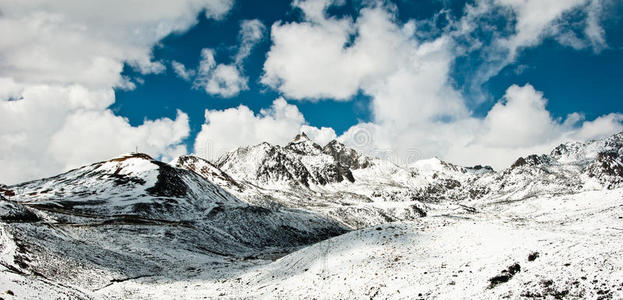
(521, 250)
(271, 221)
(368, 191)
(133, 217)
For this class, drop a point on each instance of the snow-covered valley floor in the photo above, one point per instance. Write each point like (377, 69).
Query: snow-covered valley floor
(311, 222)
(558, 247)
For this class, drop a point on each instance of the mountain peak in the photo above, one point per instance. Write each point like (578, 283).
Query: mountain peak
(131, 155)
(302, 144)
(301, 137)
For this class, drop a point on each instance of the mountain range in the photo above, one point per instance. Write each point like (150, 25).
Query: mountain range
(309, 221)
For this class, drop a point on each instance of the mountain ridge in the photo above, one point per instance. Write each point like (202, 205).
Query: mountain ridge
(104, 229)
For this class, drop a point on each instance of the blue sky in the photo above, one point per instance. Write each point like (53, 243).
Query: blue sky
(470, 82)
(572, 80)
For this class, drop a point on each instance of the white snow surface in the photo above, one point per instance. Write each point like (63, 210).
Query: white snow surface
(303, 221)
(441, 256)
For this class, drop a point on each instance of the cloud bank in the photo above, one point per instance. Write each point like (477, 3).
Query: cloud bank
(417, 110)
(59, 63)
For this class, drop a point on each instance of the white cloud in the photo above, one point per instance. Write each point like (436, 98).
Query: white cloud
(86, 43)
(570, 39)
(321, 136)
(519, 120)
(528, 23)
(181, 71)
(103, 134)
(533, 17)
(225, 80)
(519, 124)
(601, 127)
(315, 60)
(416, 111)
(595, 33)
(56, 128)
(9, 90)
(251, 32)
(225, 130)
(62, 60)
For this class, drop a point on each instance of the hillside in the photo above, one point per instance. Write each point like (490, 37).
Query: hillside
(309, 221)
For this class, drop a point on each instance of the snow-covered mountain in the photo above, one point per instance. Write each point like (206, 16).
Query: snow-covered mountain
(359, 191)
(133, 216)
(134, 227)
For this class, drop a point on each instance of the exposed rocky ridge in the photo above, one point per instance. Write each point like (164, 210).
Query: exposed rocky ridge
(301, 163)
(364, 190)
(133, 218)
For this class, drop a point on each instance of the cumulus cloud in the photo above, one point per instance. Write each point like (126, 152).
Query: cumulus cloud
(56, 128)
(416, 110)
(403, 76)
(61, 61)
(321, 136)
(225, 130)
(595, 33)
(517, 125)
(251, 32)
(101, 134)
(519, 120)
(224, 80)
(600, 127)
(181, 71)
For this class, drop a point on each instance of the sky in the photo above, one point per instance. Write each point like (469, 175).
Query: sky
(469, 82)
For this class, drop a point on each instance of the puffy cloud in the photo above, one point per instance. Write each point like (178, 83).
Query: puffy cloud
(321, 136)
(225, 80)
(225, 130)
(57, 128)
(102, 134)
(517, 125)
(342, 57)
(601, 127)
(87, 43)
(417, 112)
(251, 32)
(59, 63)
(405, 77)
(519, 120)
(181, 71)
(595, 33)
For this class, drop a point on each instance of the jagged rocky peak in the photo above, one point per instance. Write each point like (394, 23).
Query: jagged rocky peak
(303, 145)
(578, 153)
(347, 157)
(481, 168)
(532, 161)
(301, 137)
(607, 167)
(299, 162)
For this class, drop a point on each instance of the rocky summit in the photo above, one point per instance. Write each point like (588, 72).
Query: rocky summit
(304, 220)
